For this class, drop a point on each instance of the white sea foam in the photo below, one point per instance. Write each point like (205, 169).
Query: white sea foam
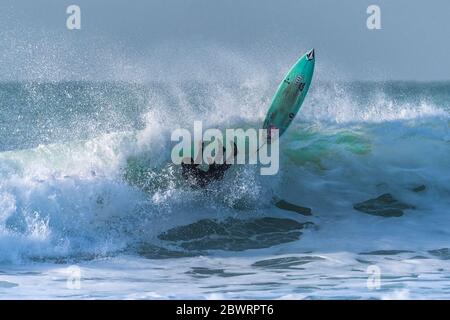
(75, 200)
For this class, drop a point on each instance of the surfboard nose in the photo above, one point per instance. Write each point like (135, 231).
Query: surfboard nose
(310, 55)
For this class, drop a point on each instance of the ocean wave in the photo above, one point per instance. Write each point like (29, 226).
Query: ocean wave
(72, 195)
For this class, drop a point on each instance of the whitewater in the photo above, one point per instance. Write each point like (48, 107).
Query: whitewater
(87, 184)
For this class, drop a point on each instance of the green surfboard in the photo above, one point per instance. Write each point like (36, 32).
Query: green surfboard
(287, 99)
(290, 95)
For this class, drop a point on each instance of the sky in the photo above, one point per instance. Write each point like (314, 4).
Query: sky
(220, 39)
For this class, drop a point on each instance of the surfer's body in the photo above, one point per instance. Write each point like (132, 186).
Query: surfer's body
(197, 177)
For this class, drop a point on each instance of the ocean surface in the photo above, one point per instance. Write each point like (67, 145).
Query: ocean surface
(91, 205)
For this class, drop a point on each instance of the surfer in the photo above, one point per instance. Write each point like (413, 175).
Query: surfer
(197, 177)
(193, 174)
(217, 170)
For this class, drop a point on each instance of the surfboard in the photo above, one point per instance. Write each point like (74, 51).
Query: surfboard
(286, 101)
(290, 95)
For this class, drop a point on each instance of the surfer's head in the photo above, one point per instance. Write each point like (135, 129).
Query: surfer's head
(230, 160)
(235, 150)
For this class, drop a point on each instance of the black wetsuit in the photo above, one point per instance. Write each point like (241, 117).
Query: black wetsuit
(217, 171)
(194, 175)
(199, 178)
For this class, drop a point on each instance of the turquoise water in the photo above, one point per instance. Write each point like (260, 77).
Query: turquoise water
(86, 180)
